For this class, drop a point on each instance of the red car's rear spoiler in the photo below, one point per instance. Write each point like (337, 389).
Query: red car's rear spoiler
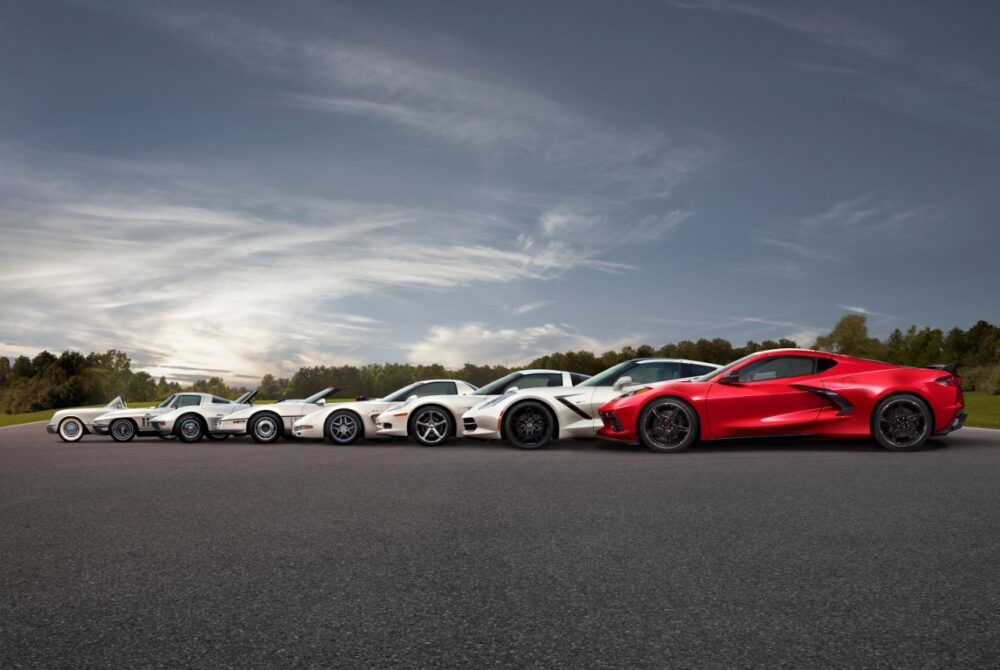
(947, 367)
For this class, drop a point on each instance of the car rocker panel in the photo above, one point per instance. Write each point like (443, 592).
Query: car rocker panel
(433, 420)
(266, 423)
(345, 423)
(792, 393)
(545, 414)
(191, 424)
(73, 423)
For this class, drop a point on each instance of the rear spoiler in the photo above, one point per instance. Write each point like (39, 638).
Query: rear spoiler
(947, 367)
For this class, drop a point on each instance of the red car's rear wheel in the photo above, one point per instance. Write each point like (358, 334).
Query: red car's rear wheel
(902, 422)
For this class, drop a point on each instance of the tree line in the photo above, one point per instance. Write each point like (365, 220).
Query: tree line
(70, 379)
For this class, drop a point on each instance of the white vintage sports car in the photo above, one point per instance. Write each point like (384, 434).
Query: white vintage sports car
(266, 423)
(191, 423)
(434, 419)
(72, 424)
(124, 424)
(529, 419)
(348, 422)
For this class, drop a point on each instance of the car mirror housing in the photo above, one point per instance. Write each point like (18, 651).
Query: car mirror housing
(512, 389)
(731, 378)
(622, 383)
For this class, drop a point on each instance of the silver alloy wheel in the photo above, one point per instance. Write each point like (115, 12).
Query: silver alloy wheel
(902, 423)
(343, 428)
(431, 426)
(122, 430)
(190, 428)
(265, 428)
(71, 430)
(667, 424)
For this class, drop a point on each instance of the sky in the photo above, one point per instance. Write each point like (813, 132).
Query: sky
(234, 188)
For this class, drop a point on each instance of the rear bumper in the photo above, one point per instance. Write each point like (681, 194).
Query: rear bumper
(957, 422)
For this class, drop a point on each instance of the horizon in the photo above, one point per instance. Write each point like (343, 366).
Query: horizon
(245, 190)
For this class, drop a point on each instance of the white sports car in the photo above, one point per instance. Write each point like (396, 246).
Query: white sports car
(529, 419)
(348, 422)
(194, 422)
(266, 423)
(124, 424)
(72, 424)
(434, 419)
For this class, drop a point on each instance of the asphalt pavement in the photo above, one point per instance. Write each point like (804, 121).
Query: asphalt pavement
(584, 555)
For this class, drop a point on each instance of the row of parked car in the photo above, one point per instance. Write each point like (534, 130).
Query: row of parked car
(665, 404)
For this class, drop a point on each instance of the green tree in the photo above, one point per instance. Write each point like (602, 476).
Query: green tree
(850, 336)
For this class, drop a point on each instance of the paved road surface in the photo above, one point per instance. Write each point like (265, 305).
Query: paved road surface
(585, 556)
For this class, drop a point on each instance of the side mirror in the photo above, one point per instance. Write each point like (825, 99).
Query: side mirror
(322, 401)
(731, 378)
(361, 398)
(622, 383)
(412, 397)
(510, 390)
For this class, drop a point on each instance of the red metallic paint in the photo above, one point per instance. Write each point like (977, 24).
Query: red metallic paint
(774, 407)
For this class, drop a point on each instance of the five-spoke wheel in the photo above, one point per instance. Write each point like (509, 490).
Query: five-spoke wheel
(902, 423)
(431, 426)
(343, 427)
(122, 430)
(528, 425)
(668, 424)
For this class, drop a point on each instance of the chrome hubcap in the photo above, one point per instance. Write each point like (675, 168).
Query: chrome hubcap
(71, 429)
(265, 428)
(432, 426)
(190, 428)
(122, 429)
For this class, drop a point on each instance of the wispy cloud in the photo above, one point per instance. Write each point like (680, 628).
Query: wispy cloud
(529, 307)
(857, 309)
(816, 21)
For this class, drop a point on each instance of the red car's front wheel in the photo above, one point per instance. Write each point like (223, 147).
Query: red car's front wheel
(668, 424)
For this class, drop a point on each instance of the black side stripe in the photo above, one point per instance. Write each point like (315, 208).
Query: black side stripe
(562, 399)
(834, 397)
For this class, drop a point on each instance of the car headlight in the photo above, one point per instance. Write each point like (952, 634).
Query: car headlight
(637, 391)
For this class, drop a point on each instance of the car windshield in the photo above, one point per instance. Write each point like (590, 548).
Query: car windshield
(609, 376)
(403, 393)
(166, 403)
(723, 370)
(316, 397)
(496, 386)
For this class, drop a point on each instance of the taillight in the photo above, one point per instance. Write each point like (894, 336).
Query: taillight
(951, 380)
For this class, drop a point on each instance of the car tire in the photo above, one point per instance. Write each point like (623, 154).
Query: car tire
(122, 430)
(668, 424)
(529, 425)
(902, 422)
(265, 428)
(71, 429)
(217, 437)
(190, 428)
(432, 425)
(343, 427)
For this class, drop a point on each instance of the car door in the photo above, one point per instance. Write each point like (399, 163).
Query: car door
(762, 399)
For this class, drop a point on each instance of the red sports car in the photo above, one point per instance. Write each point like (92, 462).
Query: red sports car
(791, 393)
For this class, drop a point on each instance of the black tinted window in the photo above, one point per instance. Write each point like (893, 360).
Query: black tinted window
(650, 373)
(777, 367)
(694, 370)
(436, 388)
(189, 401)
(824, 364)
(577, 378)
(533, 381)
